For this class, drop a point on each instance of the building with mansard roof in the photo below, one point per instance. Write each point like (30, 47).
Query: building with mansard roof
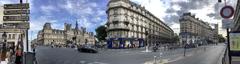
(131, 25)
(48, 35)
(194, 30)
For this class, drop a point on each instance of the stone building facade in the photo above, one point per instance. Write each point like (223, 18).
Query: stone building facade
(236, 18)
(193, 30)
(131, 25)
(14, 22)
(48, 35)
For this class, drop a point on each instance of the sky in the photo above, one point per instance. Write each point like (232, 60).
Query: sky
(92, 13)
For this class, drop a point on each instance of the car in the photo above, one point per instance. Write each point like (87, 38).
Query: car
(87, 49)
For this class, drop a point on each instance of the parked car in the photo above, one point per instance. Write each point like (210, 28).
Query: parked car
(87, 49)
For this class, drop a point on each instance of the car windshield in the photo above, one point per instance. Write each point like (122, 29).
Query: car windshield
(119, 32)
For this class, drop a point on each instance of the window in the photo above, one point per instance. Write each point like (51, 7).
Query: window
(13, 36)
(9, 36)
(114, 11)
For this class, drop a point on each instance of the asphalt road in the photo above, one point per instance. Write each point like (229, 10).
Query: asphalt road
(212, 55)
(47, 55)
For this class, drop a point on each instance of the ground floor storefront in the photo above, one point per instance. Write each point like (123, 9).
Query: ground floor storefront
(123, 43)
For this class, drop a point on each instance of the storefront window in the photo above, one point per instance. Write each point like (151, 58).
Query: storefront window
(127, 44)
(115, 44)
(135, 44)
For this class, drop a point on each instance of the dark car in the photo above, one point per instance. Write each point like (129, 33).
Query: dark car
(87, 49)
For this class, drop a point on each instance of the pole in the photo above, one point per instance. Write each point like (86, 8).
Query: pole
(155, 59)
(27, 39)
(184, 52)
(230, 59)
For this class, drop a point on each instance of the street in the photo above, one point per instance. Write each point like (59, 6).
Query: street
(47, 55)
(212, 55)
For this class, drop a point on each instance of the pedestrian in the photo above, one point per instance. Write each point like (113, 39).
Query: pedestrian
(34, 54)
(4, 52)
(18, 59)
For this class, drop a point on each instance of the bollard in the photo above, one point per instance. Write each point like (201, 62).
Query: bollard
(160, 54)
(155, 60)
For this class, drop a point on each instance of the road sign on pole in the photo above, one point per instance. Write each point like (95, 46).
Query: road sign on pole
(227, 23)
(227, 12)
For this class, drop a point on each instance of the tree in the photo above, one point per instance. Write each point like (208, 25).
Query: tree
(175, 39)
(101, 33)
(221, 38)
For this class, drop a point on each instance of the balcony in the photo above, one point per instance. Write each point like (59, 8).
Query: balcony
(118, 27)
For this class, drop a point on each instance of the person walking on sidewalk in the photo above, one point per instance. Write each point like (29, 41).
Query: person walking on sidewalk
(18, 56)
(3, 52)
(34, 53)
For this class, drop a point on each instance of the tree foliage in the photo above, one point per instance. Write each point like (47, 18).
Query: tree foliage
(221, 38)
(101, 33)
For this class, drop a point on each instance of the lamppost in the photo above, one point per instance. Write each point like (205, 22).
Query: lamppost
(184, 52)
(3, 51)
(146, 32)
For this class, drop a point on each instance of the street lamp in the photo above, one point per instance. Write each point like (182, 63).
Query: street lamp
(146, 32)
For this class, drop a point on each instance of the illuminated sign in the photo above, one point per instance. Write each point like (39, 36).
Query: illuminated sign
(12, 12)
(234, 41)
(15, 18)
(16, 6)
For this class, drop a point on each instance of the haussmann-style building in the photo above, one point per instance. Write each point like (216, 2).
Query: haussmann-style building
(194, 30)
(130, 25)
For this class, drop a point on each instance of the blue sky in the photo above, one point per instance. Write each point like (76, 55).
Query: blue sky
(88, 13)
(91, 13)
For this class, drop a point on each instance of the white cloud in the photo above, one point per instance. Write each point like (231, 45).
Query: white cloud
(175, 27)
(78, 7)
(156, 7)
(37, 24)
(84, 22)
(176, 7)
(48, 9)
(88, 13)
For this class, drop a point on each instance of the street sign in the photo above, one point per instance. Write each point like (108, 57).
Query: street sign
(227, 12)
(24, 25)
(15, 18)
(16, 6)
(227, 23)
(12, 12)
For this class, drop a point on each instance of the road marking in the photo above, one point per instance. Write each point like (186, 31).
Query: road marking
(178, 58)
(161, 61)
(82, 62)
